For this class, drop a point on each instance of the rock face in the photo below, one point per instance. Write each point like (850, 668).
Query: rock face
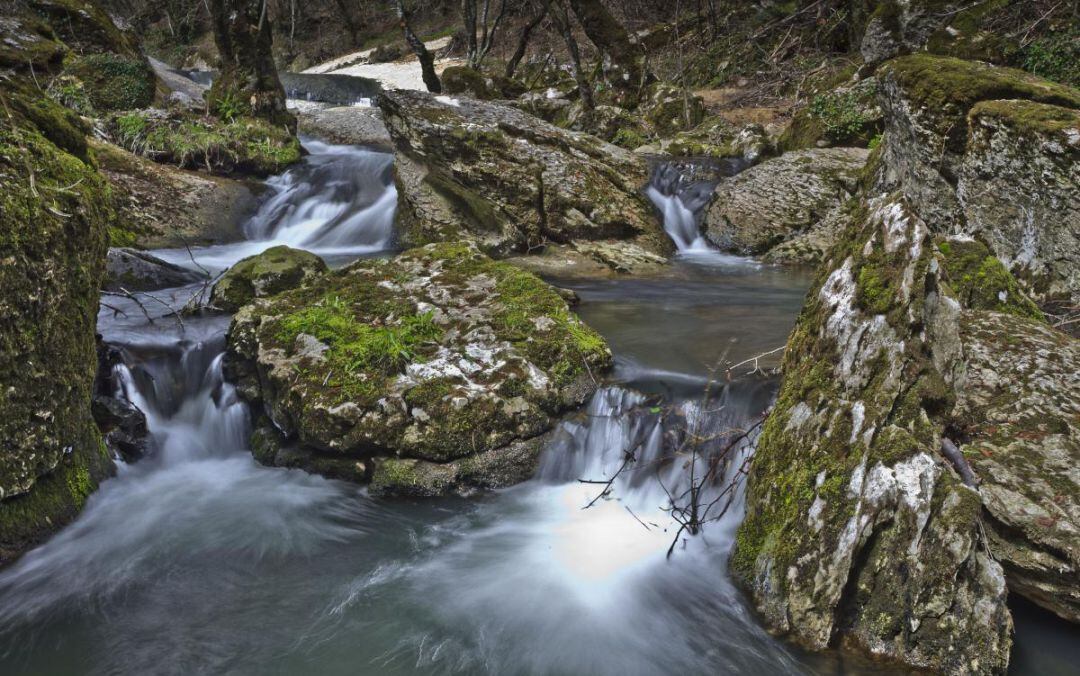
(990, 153)
(277, 269)
(348, 125)
(498, 176)
(899, 27)
(435, 370)
(783, 198)
(1019, 411)
(160, 206)
(856, 529)
(54, 222)
(135, 270)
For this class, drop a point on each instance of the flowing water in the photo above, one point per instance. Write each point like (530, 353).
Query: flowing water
(198, 560)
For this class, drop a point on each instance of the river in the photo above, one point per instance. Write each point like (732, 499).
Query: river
(199, 560)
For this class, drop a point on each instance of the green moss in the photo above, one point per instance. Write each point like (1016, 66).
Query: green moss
(267, 273)
(629, 138)
(112, 82)
(1028, 117)
(981, 282)
(244, 145)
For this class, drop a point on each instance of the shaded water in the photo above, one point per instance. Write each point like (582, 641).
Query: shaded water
(198, 560)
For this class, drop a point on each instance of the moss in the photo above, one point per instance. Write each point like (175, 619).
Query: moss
(411, 478)
(112, 82)
(981, 282)
(629, 138)
(1028, 117)
(244, 145)
(484, 86)
(833, 117)
(275, 270)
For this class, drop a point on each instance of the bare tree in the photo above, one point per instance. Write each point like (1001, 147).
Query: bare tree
(624, 61)
(523, 38)
(477, 48)
(561, 17)
(427, 61)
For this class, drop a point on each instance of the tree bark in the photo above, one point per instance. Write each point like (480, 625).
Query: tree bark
(468, 17)
(523, 40)
(247, 76)
(427, 61)
(624, 61)
(560, 16)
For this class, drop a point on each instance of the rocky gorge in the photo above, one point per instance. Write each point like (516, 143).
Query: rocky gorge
(499, 340)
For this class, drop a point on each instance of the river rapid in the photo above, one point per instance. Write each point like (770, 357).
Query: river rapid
(199, 560)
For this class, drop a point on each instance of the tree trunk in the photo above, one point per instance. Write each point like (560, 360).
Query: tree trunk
(523, 41)
(624, 61)
(468, 17)
(247, 75)
(560, 16)
(427, 61)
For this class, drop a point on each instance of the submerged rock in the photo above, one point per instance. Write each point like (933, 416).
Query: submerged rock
(440, 356)
(783, 198)
(133, 270)
(501, 177)
(277, 269)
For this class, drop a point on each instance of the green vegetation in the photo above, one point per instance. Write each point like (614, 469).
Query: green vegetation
(981, 282)
(1054, 57)
(111, 82)
(840, 113)
(243, 145)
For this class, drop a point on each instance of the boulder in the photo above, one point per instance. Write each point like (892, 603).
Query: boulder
(54, 223)
(160, 206)
(858, 531)
(503, 178)
(347, 125)
(277, 269)
(668, 109)
(429, 372)
(485, 86)
(134, 270)
(782, 198)
(715, 138)
(1018, 415)
(898, 27)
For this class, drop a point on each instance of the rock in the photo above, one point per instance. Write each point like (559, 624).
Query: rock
(52, 258)
(847, 115)
(668, 109)
(781, 198)
(987, 152)
(179, 84)
(485, 86)
(857, 531)
(715, 138)
(160, 206)
(439, 355)
(510, 181)
(1019, 415)
(610, 123)
(332, 88)
(135, 270)
(348, 125)
(551, 105)
(123, 425)
(900, 27)
(277, 269)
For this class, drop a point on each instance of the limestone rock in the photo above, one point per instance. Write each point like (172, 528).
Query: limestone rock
(485, 86)
(277, 269)
(781, 198)
(136, 270)
(439, 355)
(1019, 413)
(508, 180)
(348, 125)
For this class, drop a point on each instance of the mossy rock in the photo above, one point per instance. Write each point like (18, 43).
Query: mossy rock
(111, 82)
(668, 109)
(54, 222)
(86, 28)
(438, 354)
(844, 116)
(484, 86)
(981, 282)
(242, 146)
(277, 269)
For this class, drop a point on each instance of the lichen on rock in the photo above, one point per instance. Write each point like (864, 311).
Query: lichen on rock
(440, 354)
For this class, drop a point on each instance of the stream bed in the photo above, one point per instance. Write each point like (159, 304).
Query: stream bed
(199, 560)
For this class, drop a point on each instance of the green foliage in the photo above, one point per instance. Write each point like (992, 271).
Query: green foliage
(874, 142)
(982, 282)
(629, 138)
(841, 113)
(113, 82)
(1054, 57)
(229, 107)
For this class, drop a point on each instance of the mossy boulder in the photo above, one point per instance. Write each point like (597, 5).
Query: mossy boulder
(715, 138)
(241, 146)
(897, 27)
(668, 109)
(510, 181)
(991, 153)
(438, 355)
(847, 115)
(462, 80)
(783, 198)
(54, 223)
(277, 269)
(858, 531)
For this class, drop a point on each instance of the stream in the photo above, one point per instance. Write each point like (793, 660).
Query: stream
(199, 560)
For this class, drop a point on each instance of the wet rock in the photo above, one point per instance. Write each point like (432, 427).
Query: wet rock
(277, 269)
(510, 181)
(123, 425)
(160, 206)
(136, 270)
(1019, 415)
(782, 198)
(439, 355)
